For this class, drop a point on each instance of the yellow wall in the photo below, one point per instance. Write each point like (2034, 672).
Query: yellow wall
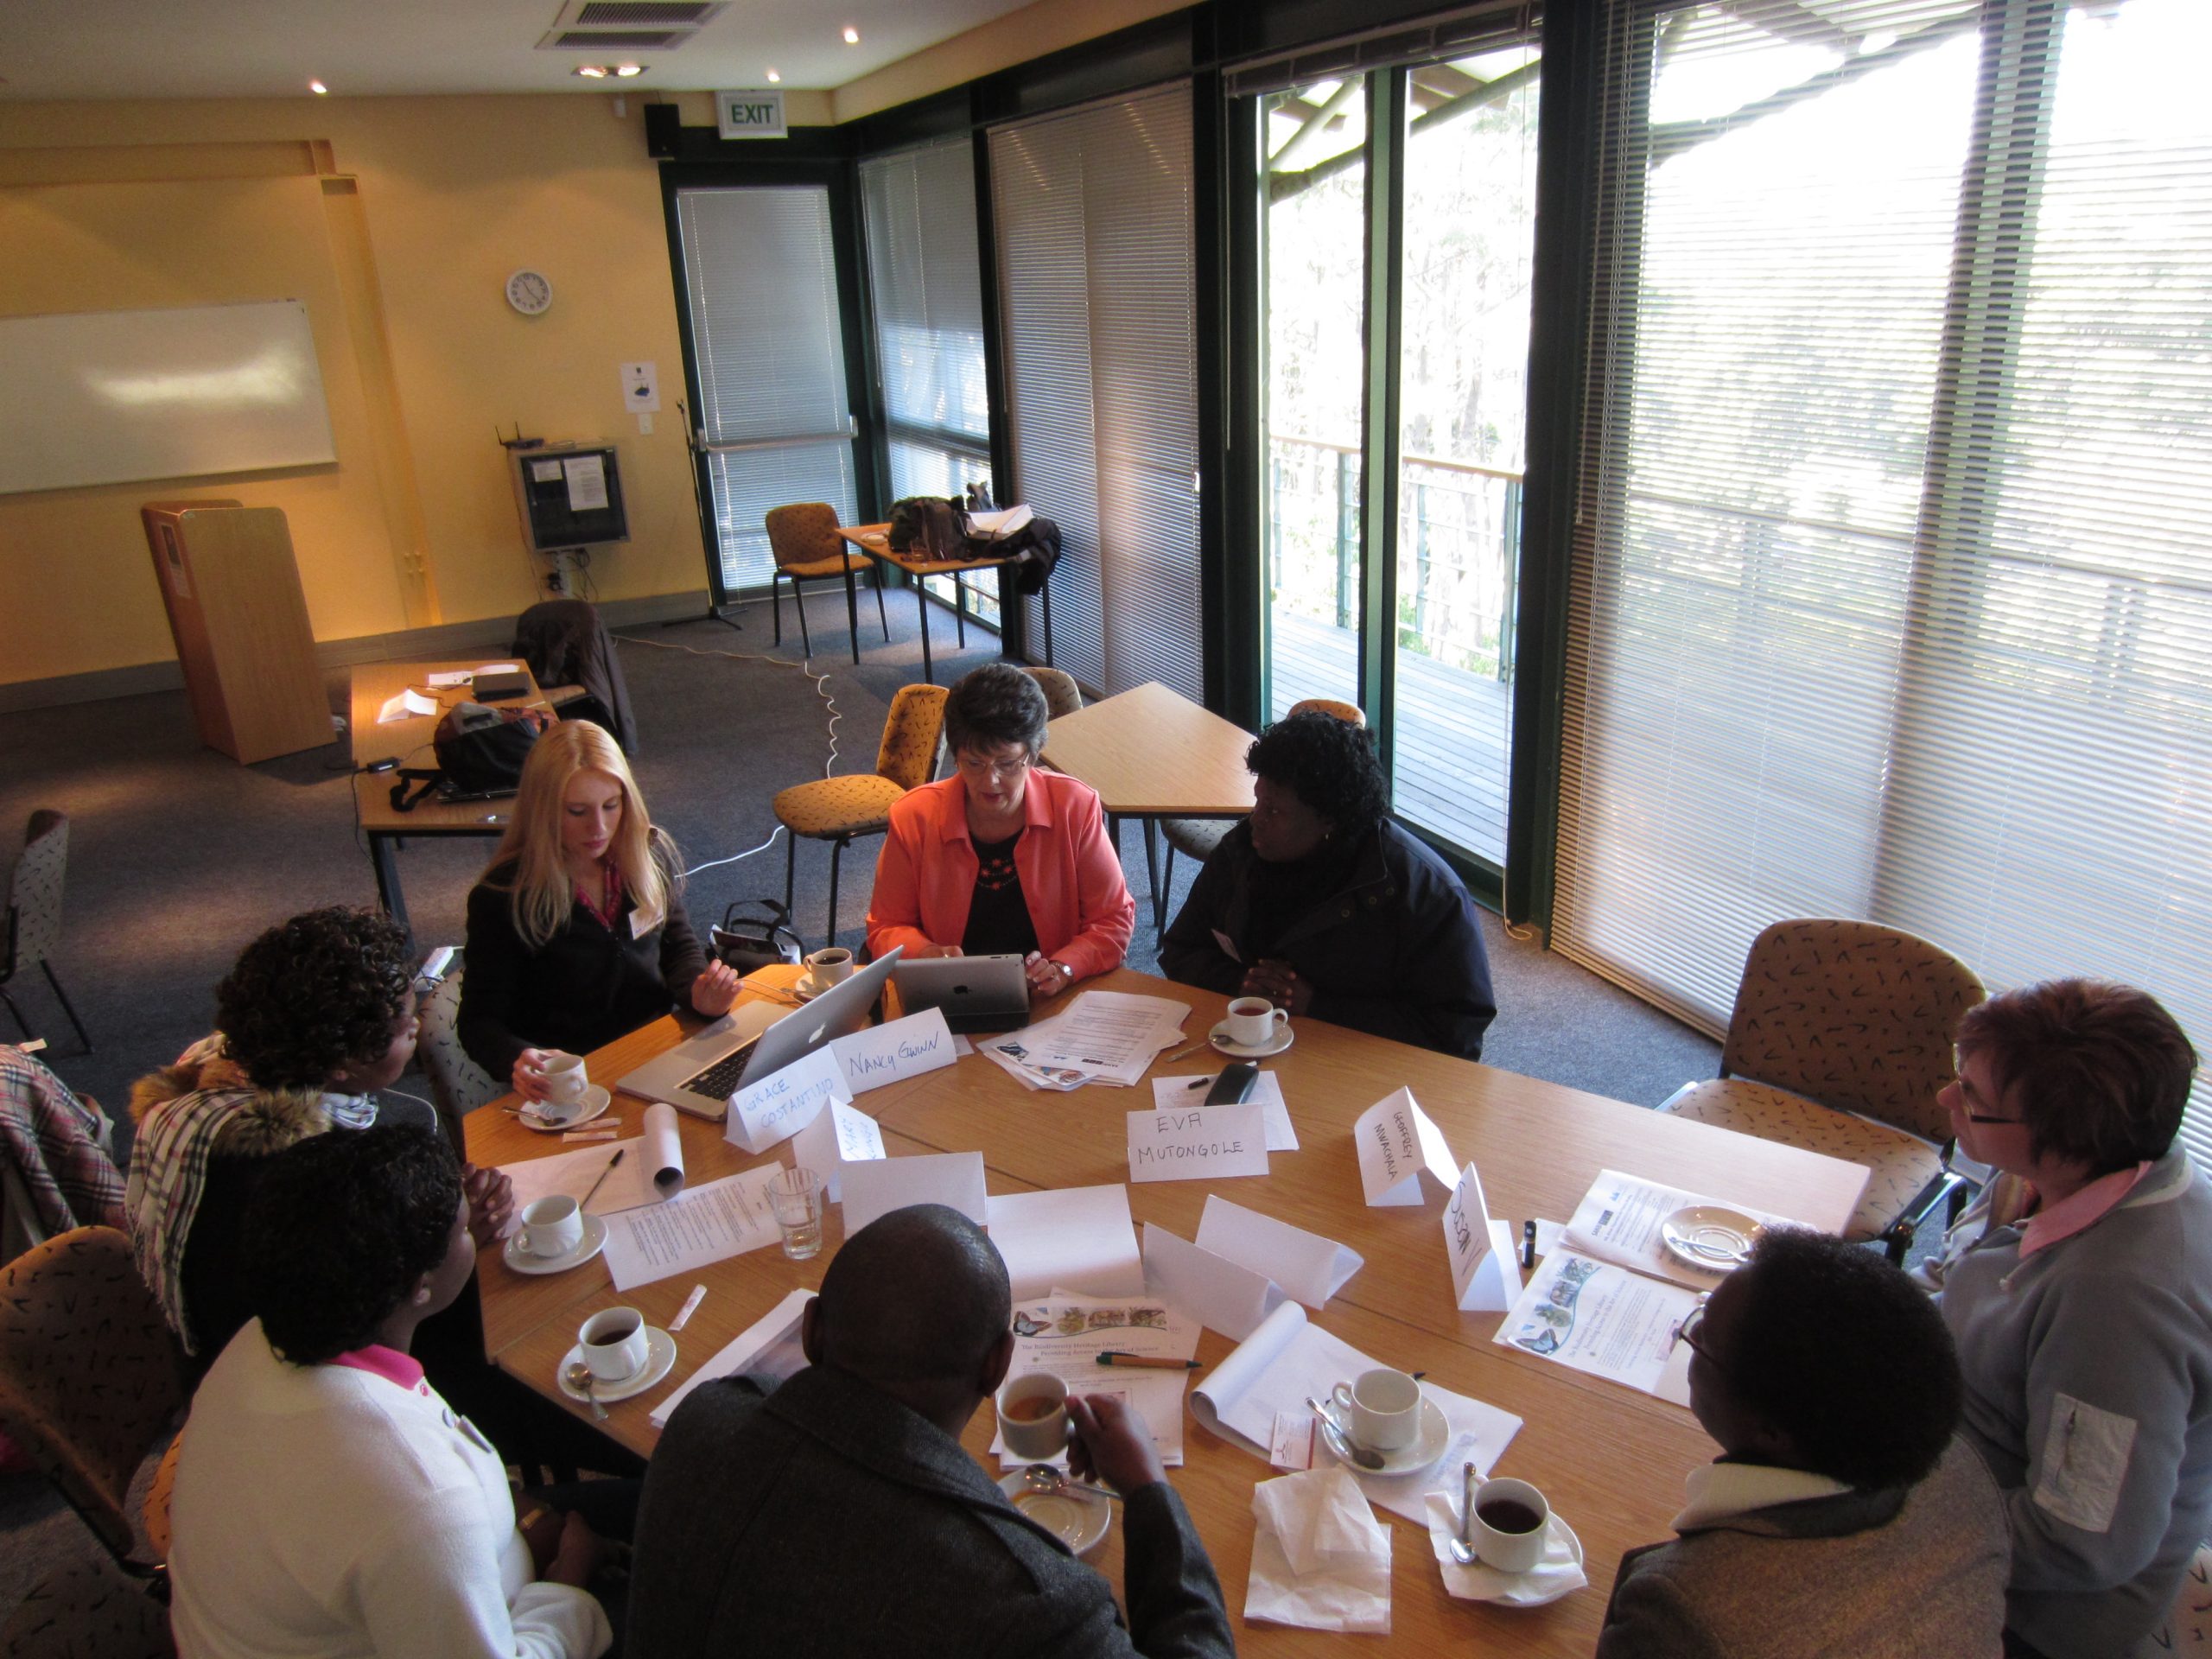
(397, 220)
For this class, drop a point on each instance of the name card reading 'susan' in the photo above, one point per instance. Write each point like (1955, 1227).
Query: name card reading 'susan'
(1198, 1143)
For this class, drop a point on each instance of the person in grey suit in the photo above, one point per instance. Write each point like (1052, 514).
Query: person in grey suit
(835, 1513)
(1842, 1516)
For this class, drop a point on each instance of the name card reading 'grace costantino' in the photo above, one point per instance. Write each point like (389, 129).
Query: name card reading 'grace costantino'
(1198, 1143)
(767, 1113)
(903, 1048)
(1398, 1144)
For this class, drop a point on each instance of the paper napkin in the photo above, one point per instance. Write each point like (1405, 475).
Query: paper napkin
(1556, 1572)
(1319, 1557)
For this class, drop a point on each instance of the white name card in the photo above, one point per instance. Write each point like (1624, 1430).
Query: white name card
(843, 1134)
(1307, 1266)
(880, 1186)
(1398, 1144)
(1224, 1295)
(1484, 1276)
(903, 1048)
(767, 1113)
(1198, 1143)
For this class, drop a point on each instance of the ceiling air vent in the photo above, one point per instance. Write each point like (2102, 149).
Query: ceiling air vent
(631, 13)
(616, 40)
(628, 25)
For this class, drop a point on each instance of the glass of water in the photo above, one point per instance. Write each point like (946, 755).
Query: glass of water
(797, 1194)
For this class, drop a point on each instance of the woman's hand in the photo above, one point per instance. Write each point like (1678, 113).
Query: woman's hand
(491, 1196)
(1046, 977)
(576, 1561)
(528, 1075)
(924, 953)
(1278, 982)
(714, 989)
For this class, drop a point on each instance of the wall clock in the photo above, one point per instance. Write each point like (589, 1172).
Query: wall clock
(529, 292)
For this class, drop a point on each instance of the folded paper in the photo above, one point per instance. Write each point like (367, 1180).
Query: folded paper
(1307, 1266)
(882, 1185)
(1198, 1143)
(1221, 1294)
(843, 1134)
(900, 1049)
(767, 1113)
(1398, 1144)
(1321, 1559)
(1078, 1236)
(1485, 1278)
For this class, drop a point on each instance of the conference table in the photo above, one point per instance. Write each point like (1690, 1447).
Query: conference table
(1152, 754)
(408, 741)
(1611, 1459)
(875, 541)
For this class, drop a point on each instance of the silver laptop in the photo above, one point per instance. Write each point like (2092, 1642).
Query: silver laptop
(701, 1073)
(975, 993)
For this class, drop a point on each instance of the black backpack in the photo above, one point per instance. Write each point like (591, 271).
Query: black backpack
(481, 753)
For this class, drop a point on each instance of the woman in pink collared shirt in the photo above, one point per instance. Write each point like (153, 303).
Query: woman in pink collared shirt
(1002, 858)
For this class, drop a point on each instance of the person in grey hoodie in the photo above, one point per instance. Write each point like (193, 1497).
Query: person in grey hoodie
(2084, 1326)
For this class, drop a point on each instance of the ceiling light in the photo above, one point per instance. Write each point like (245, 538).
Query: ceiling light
(775, 76)
(591, 71)
(317, 88)
(852, 36)
(624, 71)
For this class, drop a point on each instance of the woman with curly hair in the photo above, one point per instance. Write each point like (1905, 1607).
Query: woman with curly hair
(1322, 905)
(329, 1500)
(576, 932)
(316, 1017)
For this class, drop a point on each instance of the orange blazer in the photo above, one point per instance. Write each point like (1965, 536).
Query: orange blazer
(1071, 876)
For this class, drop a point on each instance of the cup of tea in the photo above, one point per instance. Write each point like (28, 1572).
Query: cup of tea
(830, 966)
(614, 1341)
(1510, 1521)
(1382, 1407)
(552, 1226)
(1033, 1416)
(565, 1083)
(1253, 1020)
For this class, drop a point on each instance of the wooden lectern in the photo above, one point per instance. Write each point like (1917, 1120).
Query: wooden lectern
(240, 621)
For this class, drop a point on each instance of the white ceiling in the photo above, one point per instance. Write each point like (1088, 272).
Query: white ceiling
(271, 49)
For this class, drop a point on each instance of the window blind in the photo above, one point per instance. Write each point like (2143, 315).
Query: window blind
(760, 279)
(1093, 223)
(1891, 589)
(926, 286)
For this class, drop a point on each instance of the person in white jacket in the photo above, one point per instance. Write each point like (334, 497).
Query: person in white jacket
(327, 1501)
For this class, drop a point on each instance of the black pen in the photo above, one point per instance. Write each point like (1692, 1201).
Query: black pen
(1527, 1244)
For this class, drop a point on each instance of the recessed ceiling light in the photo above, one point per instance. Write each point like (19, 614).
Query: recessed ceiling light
(591, 71)
(624, 71)
(775, 76)
(317, 88)
(852, 36)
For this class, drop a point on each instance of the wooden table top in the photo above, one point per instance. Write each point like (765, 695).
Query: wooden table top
(1152, 751)
(1611, 1460)
(408, 741)
(875, 540)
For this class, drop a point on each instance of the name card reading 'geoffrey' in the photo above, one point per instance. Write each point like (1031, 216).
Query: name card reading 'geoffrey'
(1198, 1143)
(903, 1048)
(1398, 1144)
(767, 1113)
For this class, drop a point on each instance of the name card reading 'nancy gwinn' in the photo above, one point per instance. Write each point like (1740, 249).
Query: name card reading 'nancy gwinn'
(903, 1048)
(1198, 1143)
(771, 1111)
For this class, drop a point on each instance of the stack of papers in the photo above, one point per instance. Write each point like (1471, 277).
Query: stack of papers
(1110, 1036)
(1065, 1334)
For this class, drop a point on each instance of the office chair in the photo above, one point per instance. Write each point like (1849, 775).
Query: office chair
(35, 912)
(1198, 837)
(805, 540)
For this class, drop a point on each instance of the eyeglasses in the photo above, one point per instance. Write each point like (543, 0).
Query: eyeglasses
(984, 765)
(1693, 1323)
(1967, 1094)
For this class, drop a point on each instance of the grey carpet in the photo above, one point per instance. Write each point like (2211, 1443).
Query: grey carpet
(179, 856)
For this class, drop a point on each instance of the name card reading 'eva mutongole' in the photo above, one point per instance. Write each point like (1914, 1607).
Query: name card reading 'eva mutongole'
(1198, 1143)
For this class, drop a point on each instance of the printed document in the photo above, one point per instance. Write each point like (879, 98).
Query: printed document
(1619, 1218)
(1065, 1334)
(1593, 1317)
(707, 1224)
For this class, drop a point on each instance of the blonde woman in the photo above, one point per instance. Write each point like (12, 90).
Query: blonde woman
(577, 933)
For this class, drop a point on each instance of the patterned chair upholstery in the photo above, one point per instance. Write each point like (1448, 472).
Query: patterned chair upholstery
(88, 1610)
(1061, 694)
(159, 1497)
(807, 548)
(2188, 1629)
(840, 810)
(1198, 837)
(1840, 1041)
(91, 1379)
(35, 914)
(458, 1085)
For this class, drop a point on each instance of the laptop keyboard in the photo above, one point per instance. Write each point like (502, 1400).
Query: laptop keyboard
(718, 1080)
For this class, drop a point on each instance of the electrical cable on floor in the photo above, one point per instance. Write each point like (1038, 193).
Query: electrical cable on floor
(804, 665)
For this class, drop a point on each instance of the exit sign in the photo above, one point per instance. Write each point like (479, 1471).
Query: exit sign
(750, 114)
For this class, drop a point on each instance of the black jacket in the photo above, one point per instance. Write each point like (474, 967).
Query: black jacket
(588, 986)
(827, 1519)
(1397, 950)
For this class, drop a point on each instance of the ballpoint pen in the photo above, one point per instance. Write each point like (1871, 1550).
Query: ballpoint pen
(1114, 1356)
(603, 1174)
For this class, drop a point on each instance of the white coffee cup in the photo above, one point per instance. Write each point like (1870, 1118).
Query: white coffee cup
(1043, 1436)
(552, 1226)
(565, 1079)
(1382, 1408)
(830, 966)
(1521, 1548)
(614, 1341)
(1252, 1021)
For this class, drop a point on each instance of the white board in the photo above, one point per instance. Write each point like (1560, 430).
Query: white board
(116, 397)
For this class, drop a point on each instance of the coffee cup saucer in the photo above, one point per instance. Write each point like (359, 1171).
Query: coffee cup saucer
(1282, 1038)
(1557, 1571)
(1419, 1455)
(806, 987)
(1079, 1519)
(660, 1359)
(596, 1101)
(522, 1261)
